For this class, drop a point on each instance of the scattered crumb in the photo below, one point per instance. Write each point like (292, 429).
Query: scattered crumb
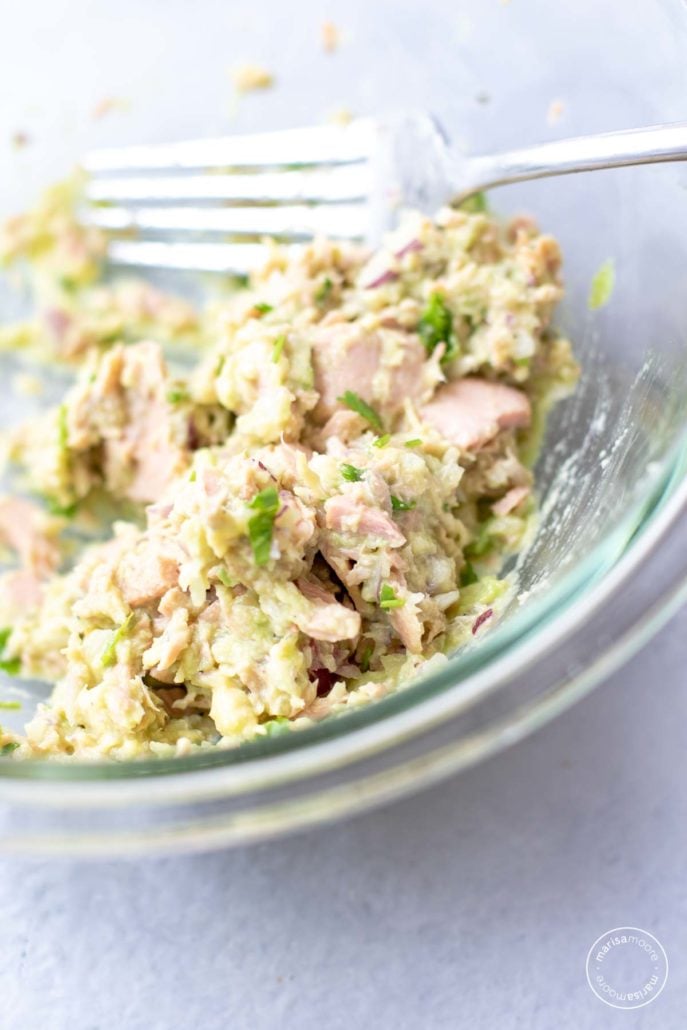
(248, 77)
(483, 97)
(20, 140)
(26, 385)
(555, 111)
(341, 116)
(109, 105)
(331, 37)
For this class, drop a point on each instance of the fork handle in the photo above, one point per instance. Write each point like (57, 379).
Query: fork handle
(650, 145)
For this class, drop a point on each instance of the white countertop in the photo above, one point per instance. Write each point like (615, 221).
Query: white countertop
(471, 905)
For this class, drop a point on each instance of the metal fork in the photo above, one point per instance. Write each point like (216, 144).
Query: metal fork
(207, 205)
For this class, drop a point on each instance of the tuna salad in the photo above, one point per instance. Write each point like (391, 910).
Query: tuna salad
(314, 513)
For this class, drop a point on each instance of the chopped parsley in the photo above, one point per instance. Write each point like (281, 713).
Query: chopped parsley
(261, 309)
(436, 326)
(261, 525)
(398, 505)
(366, 657)
(9, 665)
(224, 578)
(278, 348)
(109, 655)
(10, 706)
(62, 428)
(66, 511)
(351, 474)
(481, 544)
(324, 290)
(7, 749)
(388, 598)
(361, 407)
(602, 285)
(468, 576)
(413, 443)
(475, 205)
(177, 395)
(382, 441)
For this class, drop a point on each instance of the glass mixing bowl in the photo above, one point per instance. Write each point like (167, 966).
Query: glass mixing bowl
(608, 563)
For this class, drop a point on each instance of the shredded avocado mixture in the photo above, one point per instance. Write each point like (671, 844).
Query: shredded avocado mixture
(315, 514)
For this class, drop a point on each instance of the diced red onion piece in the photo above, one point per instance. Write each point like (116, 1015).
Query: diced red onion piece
(481, 619)
(388, 276)
(409, 248)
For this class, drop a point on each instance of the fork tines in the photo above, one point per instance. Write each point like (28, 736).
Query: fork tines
(207, 204)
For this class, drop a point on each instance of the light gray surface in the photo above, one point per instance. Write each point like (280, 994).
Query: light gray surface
(472, 905)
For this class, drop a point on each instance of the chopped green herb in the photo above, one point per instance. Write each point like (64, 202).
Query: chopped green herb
(323, 291)
(10, 706)
(66, 511)
(365, 658)
(398, 505)
(7, 749)
(475, 205)
(62, 428)
(68, 285)
(602, 286)
(481, 544)
(468, 576)
(193, 476)
(177, 395)
(241, 280)
(262, 309)
(388, 598)
(351, 474)
(413, 443)
(357, 404)
(9, 665)
(224, 577)
(261, 525)
(109, 655)
(436, 326)
(278, 348)
(382, 441)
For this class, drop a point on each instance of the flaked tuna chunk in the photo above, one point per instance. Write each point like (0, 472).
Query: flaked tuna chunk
(506, 504)
(144, 577)
(23, 530)
(383, 370)
(347, 514)
(326, 619)
(20, 591)
(471, 412)
(124, 419)
(407, 623)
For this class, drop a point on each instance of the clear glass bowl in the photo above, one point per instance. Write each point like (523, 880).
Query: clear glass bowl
(607, 565)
